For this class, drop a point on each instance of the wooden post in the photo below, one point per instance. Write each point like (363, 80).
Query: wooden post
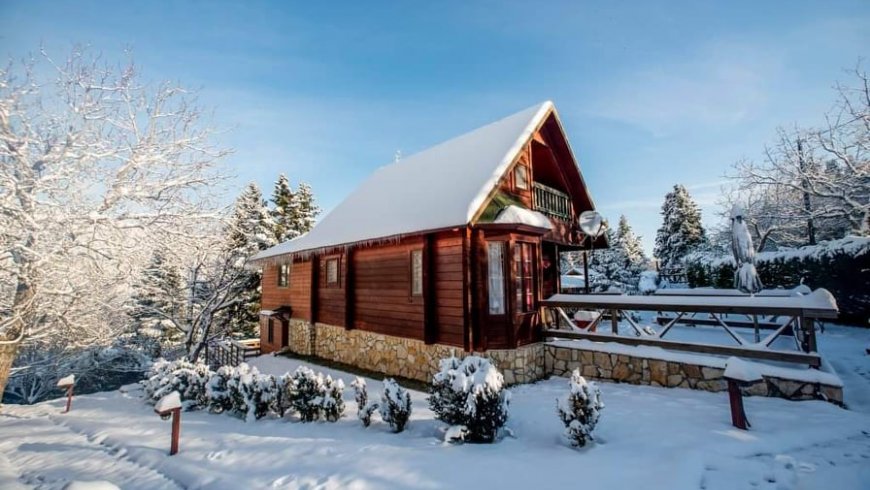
(614, 321)
(810, 334)
(69, 397)
(349, 289)
(430, 301)
(735, 398)
(176, 431)
(586, 269)
(755, 325)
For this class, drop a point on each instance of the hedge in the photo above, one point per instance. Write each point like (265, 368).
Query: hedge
(840, 266)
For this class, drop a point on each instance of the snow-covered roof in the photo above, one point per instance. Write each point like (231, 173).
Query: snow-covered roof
(516, 215)
(437, 188)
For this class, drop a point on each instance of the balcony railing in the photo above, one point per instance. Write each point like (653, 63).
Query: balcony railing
(552, 202)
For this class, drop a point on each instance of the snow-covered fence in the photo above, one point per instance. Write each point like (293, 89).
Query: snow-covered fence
(840, 266)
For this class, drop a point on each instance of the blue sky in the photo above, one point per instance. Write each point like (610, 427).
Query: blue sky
(650, 93)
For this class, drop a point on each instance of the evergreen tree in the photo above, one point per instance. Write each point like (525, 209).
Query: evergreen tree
(285, 210)
(305, 207)
(630, 256)
(157, 299)
(250, 230)
(681, 231)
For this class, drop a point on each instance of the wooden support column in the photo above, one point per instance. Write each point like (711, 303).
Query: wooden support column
(315, 274)
(614, 321)
(349, 289)
(809, 326)
(430, 301)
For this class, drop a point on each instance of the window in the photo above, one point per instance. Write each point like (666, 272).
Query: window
(523, 277)
(521, 177)
(283, 275)
(270, 337)
(495, 256)
(416, 272)
(332, 272)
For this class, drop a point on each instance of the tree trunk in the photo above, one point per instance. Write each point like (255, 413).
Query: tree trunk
(8, 352)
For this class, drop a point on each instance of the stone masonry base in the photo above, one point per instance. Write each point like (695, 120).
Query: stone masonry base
(414, 359)
(561, 361)
(398, 356)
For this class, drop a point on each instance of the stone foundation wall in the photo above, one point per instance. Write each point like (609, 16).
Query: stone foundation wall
(410, 358)
(561, 361)
(398, 356)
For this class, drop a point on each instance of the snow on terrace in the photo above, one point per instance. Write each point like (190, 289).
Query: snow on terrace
(651, 438)
(437, 188)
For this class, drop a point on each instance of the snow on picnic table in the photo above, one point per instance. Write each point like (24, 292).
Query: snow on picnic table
(651, 438)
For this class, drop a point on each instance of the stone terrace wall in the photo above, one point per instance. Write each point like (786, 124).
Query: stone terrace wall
(398, 356)
(561, 361)
(409, 358)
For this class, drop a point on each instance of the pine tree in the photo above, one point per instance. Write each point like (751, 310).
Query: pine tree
(305, 207)
(157, 299)
(630, 256)
(250, 230)
(285, 210)
(681, 231)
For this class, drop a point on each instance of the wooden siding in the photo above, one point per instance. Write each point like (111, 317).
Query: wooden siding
(383, 301)
(330, 297)
(448, 266)
(296, 295)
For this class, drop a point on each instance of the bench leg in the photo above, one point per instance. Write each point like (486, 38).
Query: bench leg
(738, 414)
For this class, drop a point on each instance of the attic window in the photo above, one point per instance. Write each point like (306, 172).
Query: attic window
(332, 272)
(521, 177)
(283, 275)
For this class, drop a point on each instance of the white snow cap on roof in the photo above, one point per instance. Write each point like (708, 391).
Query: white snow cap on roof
(170, 401)
(521, 216)
(437, 188)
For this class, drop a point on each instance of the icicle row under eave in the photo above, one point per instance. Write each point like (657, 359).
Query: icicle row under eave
(307, 254)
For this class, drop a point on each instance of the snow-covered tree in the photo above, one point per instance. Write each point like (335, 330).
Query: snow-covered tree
(96, 168)
(620, 265)
(306, 208)
(395, 405)
(285, 211)
(157, 297)
(681, 231)
(817, 179)
(250, 230)
(579, 409)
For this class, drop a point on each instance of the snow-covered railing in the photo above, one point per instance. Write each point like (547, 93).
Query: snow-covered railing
(231, 352)
(801, 312)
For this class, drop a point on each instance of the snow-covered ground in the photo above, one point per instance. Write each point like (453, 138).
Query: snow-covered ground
(647, 438)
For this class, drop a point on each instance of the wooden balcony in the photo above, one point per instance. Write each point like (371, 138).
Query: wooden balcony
(552, 202)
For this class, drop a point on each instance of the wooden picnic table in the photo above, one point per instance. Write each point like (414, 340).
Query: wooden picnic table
(802, 312)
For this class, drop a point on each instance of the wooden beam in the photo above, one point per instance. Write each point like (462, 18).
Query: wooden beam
(349, 289)
(315, 274)
(466, 289)
(812, 360)
(430, 300)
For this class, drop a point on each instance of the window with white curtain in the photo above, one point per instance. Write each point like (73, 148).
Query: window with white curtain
(495, 255)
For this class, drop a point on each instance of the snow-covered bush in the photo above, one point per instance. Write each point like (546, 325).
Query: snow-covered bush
(579, 409)
(218, 390)
(188, 379)
(365, 409)
(470, 392)
(252, 393)
(395, 406)
(314, 396)
(332, 399)
(283, 391)
(840, 266)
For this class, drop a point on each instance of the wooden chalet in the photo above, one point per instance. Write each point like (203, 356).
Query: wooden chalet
(452, 248)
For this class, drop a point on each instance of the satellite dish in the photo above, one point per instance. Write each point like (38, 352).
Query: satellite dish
(591, 223)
